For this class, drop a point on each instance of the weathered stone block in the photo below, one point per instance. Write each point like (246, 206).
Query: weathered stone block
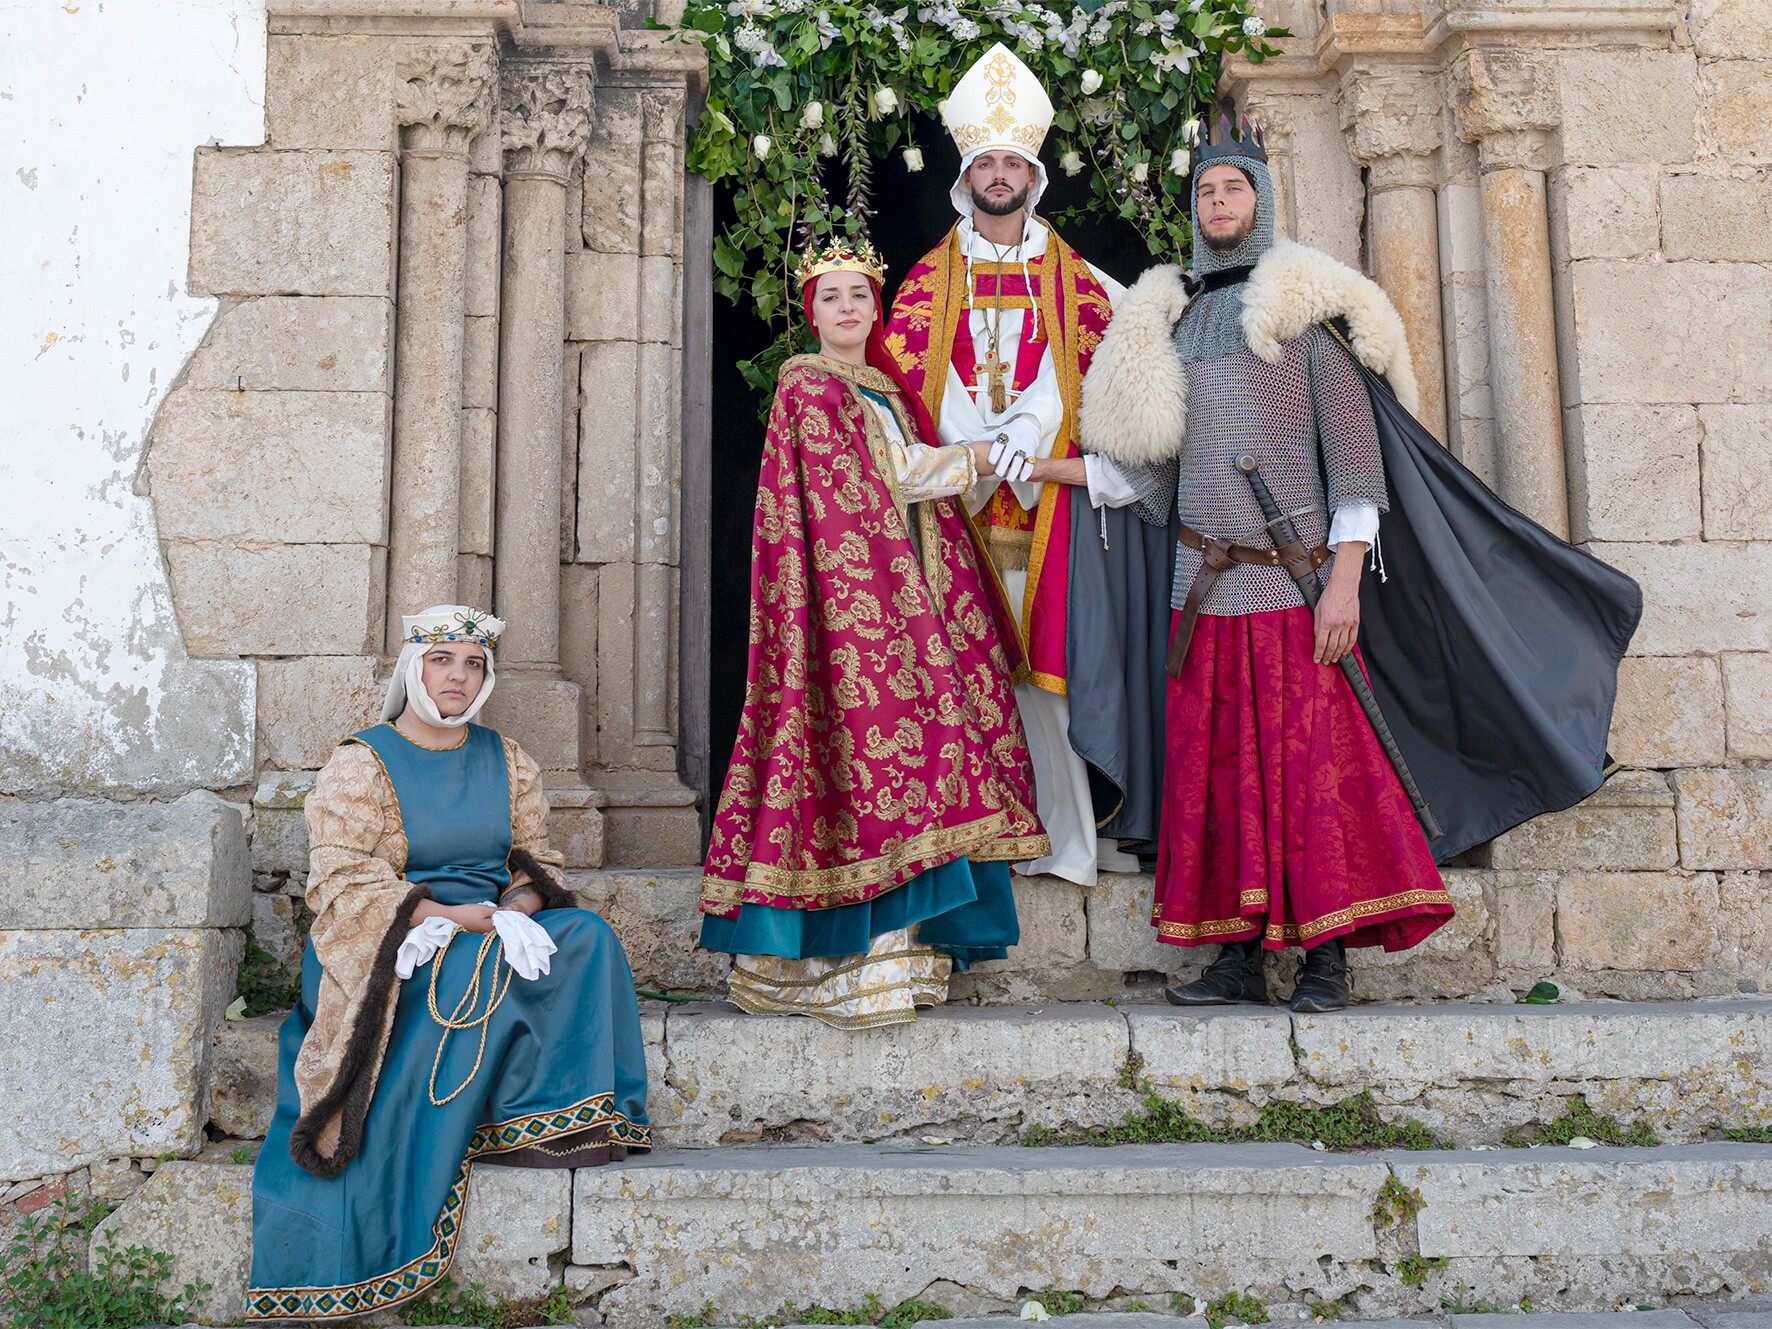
(479, 362)
(1118, 913)
(612, 174)
(306, 705)
(1725, 816)
(607, 458)
(1633, 472)
(979, 1073)
(1602, 94)
(1620, 358)
(1738, 473)
(576, 830)
(1628, 825)
(1455, 961)
(108, 1035)
(279, 822)
(276, 930)
(1635, 920)
(1525, 921)
(1557, 1203)
(1049, 961)
(636, 835)
(602, 296)
(293, 343)
(1604, 212)
(78, 864)
(485, 230)
(1669, 712)
(1714, 219)
(657, 915)
(278, 599)
(292, 223)
(1744, 929)
(515, 1219)
(201, 1215)
(1698, 598)
(1747, 685)
(838, 1223)
(318, 463)
(330, 92)
(479, 481)
(1213, 1051)
(1735, 113)
(243, 1076)
(540, 713)
(1723, 29)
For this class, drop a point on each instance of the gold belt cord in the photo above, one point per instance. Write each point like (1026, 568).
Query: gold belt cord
(463, 1017)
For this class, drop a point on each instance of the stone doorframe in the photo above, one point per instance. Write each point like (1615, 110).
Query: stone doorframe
(463, 285)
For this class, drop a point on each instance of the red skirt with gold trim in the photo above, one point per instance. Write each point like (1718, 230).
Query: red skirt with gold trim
(1281, 815)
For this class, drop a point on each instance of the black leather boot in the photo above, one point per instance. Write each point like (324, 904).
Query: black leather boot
(1235, 976)
(1324, 980)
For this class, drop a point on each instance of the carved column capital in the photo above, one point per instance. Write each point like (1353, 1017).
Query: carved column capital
(1393, 119)
(1507, 105)
(545, 115)
(444, 95)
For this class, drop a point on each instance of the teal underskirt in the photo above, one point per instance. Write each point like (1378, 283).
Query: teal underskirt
(963, 909)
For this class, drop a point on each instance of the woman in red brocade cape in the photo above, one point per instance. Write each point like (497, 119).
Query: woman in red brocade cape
(880, 779)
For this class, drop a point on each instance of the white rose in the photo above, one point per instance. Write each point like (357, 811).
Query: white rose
(813, 116)
(1141, 171)
(1091, 81)
(1071, 163)
(761, 145)
(913, 159)
(1253, 27)
(1179, 161)
(827, 146)
(885, 101)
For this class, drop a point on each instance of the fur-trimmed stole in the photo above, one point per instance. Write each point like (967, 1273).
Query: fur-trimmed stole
(1134, 407)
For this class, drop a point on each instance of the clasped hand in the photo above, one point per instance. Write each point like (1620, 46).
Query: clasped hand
(1010, 451)
(527, 945)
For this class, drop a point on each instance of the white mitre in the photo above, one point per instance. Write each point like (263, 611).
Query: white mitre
(998, 106)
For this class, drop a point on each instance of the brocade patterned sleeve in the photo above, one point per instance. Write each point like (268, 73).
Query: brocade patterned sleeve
(356, 851)
(1345, 425)
(925, 472)
(529, 815)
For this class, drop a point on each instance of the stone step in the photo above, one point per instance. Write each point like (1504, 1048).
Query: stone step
(985, 1074)
(1703, 1315)
(979, 1230)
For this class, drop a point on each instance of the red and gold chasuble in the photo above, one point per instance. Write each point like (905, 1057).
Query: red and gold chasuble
(929, 330)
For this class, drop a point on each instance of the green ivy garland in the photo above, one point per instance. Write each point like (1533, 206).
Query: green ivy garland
(793, 84)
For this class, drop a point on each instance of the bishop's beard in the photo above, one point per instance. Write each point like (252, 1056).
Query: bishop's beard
(999, 207)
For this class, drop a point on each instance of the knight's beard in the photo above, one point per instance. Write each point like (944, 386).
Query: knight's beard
(1223, 244)
(999, 207)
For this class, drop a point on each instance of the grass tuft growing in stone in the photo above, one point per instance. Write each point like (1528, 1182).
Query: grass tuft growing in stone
(1235, 1308)
(1353, 1123)
(1414, 1269)
(1396, 1203)
(47, 1283)
(1750, 1134)
(872, 1311)
(262, 983)
(1581, 1122)
(450, 1303)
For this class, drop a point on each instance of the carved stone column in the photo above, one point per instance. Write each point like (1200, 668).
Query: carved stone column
(1507, 105)
(443, 99)
(545, 117)
(1393, 117)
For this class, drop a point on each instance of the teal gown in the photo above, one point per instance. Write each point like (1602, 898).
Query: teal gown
(563, 1065)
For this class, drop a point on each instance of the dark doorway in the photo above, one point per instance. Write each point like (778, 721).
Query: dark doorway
(914, 212)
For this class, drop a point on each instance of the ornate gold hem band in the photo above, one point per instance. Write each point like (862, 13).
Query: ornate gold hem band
(1363, 911)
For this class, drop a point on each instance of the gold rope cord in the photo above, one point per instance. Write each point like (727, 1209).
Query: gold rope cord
(463, 1017)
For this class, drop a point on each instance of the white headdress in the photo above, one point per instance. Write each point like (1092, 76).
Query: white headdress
(420, 632)
(998, 106)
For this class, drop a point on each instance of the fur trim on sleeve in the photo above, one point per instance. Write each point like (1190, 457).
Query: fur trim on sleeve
(1294, 286)
(1134, 405)
(553, 894)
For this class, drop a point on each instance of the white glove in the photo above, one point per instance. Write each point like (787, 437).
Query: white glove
(527, 943)
(423, 942)
(1013, 448)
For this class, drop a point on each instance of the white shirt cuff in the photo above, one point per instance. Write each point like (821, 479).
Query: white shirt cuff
(1356, 522)
(1107, 487)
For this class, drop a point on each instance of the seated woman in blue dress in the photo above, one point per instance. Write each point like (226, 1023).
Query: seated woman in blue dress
(456, 1006)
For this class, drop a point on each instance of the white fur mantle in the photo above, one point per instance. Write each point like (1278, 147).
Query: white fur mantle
(1134, 405)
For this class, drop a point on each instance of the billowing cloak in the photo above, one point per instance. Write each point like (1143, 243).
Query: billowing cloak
(879, 737)
(1493, 646)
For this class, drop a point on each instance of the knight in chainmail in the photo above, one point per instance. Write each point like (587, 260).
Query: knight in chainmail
(1283, 823)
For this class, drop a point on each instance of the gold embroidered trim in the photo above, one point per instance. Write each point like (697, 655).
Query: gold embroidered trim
(460, 743)
(859, 962)
(1361, 911)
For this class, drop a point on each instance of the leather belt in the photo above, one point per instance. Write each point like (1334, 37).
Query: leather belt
(1219, 556)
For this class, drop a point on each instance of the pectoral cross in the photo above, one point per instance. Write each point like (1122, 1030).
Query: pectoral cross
(994, 367)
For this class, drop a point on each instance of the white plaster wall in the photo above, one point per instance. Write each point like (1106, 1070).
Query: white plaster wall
(102, 103)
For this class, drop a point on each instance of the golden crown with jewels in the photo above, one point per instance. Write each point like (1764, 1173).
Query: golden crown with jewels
(452, 623)
(840, 256)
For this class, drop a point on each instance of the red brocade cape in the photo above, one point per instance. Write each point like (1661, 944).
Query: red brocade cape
(929, 329)
(880, 736)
